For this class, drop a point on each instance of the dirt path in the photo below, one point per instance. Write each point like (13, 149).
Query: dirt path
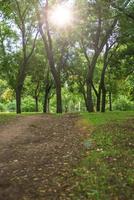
(37, 154)
(16, 128)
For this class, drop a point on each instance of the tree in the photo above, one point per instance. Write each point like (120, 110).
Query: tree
(21, 17)
(55, 63)
(48, 83)
(126, 8)
(21, 12)
(96, 31)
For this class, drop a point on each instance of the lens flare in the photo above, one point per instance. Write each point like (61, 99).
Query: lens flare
(61, 16)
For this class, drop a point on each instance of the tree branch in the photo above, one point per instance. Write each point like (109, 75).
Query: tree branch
(84, 51)
(108, 33)
(33, 47)
(98, 30)
(95, 91)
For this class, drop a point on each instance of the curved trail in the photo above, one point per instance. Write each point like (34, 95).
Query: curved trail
(37, 154)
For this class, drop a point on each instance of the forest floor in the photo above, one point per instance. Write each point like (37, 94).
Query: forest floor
(37, 155)
(67, 157)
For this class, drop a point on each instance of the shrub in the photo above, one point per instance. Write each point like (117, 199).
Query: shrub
(28, 104)
(11, 106)
(2, 107)
(123, 104)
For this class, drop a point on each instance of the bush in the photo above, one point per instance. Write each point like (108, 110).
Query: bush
(11, 106)
(28, 104)
(123, 104)
(2, 107)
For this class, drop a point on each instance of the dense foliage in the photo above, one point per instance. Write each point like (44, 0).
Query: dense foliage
(85, 65)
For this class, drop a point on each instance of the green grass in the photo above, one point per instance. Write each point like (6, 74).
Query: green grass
(5, 117)
(106, 172)
(102, 118)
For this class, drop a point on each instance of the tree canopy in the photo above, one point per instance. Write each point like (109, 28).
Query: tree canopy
(66, 56)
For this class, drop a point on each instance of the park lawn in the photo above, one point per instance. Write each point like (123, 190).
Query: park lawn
(6, 117)
(103, 118)
(106, 172)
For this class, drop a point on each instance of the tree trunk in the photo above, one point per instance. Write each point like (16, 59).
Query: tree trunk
(85, 99)
(89, 81)
(102, 80)
(110, 101)
(54, 72)
(48, 105)
(46, 96)
(103, 105)
(98, 97)
(98, 101)
(36, 104)
(58, 97)
(19, 87)
(45, 103)
(89, 98)
(18, 100)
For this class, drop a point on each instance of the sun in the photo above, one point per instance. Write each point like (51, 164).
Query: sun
(61, 16)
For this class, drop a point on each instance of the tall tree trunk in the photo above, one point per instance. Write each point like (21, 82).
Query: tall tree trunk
(103, 105)
(98, 97)
(45, 103)
(58, 97)
(46, 96)
(102, 80)
(36, 97)
(48, 105)
(89, 98)
(56, 75)
(98, 101)
(110, 101)
(36, 104)
(84, 96)
(92, 62)
(85, 99)
(18, 99)
(89, 81)
(19, 87)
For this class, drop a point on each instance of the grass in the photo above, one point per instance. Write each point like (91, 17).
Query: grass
(103, 118)
(6, 117)
(106, 172)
